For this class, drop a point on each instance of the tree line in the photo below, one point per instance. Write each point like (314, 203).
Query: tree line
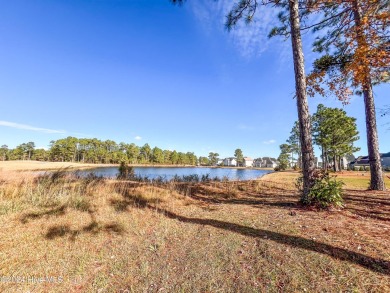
(85, 150)
(95, 151)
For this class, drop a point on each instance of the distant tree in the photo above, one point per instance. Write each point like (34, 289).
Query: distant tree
(40, 155)
(145, 153)
(191, 158)
(64, 149)
(110, 148)
(4, 151)
(204, 161)
(174, 158)
(30, 146)
(167, 156)
(213, 158)
(182, 158)
(157, 155)
(239, 157)
(284, 157)
(294, 142)
(26, 149)
(133, 153)
(335, 133)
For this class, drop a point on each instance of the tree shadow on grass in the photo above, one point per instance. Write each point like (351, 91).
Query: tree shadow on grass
(57, 211)
(373, 264)
(223, 193)
(268, 194)
(369, 213)
(130, 200)
(359, 204)
(92, 228)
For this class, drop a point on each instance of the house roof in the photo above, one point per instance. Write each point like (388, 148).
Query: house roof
(269, 160)
(364, 160)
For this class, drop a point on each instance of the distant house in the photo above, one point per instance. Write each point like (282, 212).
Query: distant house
(230, 162)
(257, 163)
(346, 161)
(364, 161)
(247, 162)
(361, 161)
(316, 162)
(269, 162)
(385, 160)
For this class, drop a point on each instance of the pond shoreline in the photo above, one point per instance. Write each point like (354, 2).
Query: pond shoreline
(50, 166)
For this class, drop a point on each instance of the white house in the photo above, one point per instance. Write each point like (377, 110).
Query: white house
(247, 162)
(269, 162)
(231, 162)
(346, 160)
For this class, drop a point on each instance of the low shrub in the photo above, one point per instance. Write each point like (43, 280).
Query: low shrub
(326, 190)
(125, 171)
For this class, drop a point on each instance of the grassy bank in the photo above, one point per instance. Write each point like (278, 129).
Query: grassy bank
(92, 234)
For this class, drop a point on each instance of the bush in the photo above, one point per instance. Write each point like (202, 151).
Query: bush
(326, 190)
(125, 171)
(277, 169)
(361, 168)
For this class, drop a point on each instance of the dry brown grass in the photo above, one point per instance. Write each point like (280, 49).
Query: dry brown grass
(352, 179)
(210, 237)
(37, 165)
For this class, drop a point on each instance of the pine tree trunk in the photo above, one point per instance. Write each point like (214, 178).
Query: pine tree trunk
(377, 182)
(302, 105)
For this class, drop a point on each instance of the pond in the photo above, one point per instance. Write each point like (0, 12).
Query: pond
(170, 172)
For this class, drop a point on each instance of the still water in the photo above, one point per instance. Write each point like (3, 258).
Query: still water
(169, 173)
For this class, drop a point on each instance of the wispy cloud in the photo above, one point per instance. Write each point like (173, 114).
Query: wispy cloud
(138, 137)
(249, 39)
(29, 127)
(244, 127)
(271, 141)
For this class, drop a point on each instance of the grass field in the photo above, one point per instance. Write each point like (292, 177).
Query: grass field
(37, 165)
(98, 235)
(351, 179)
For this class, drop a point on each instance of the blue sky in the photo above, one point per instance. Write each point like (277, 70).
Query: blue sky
(150, 72)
